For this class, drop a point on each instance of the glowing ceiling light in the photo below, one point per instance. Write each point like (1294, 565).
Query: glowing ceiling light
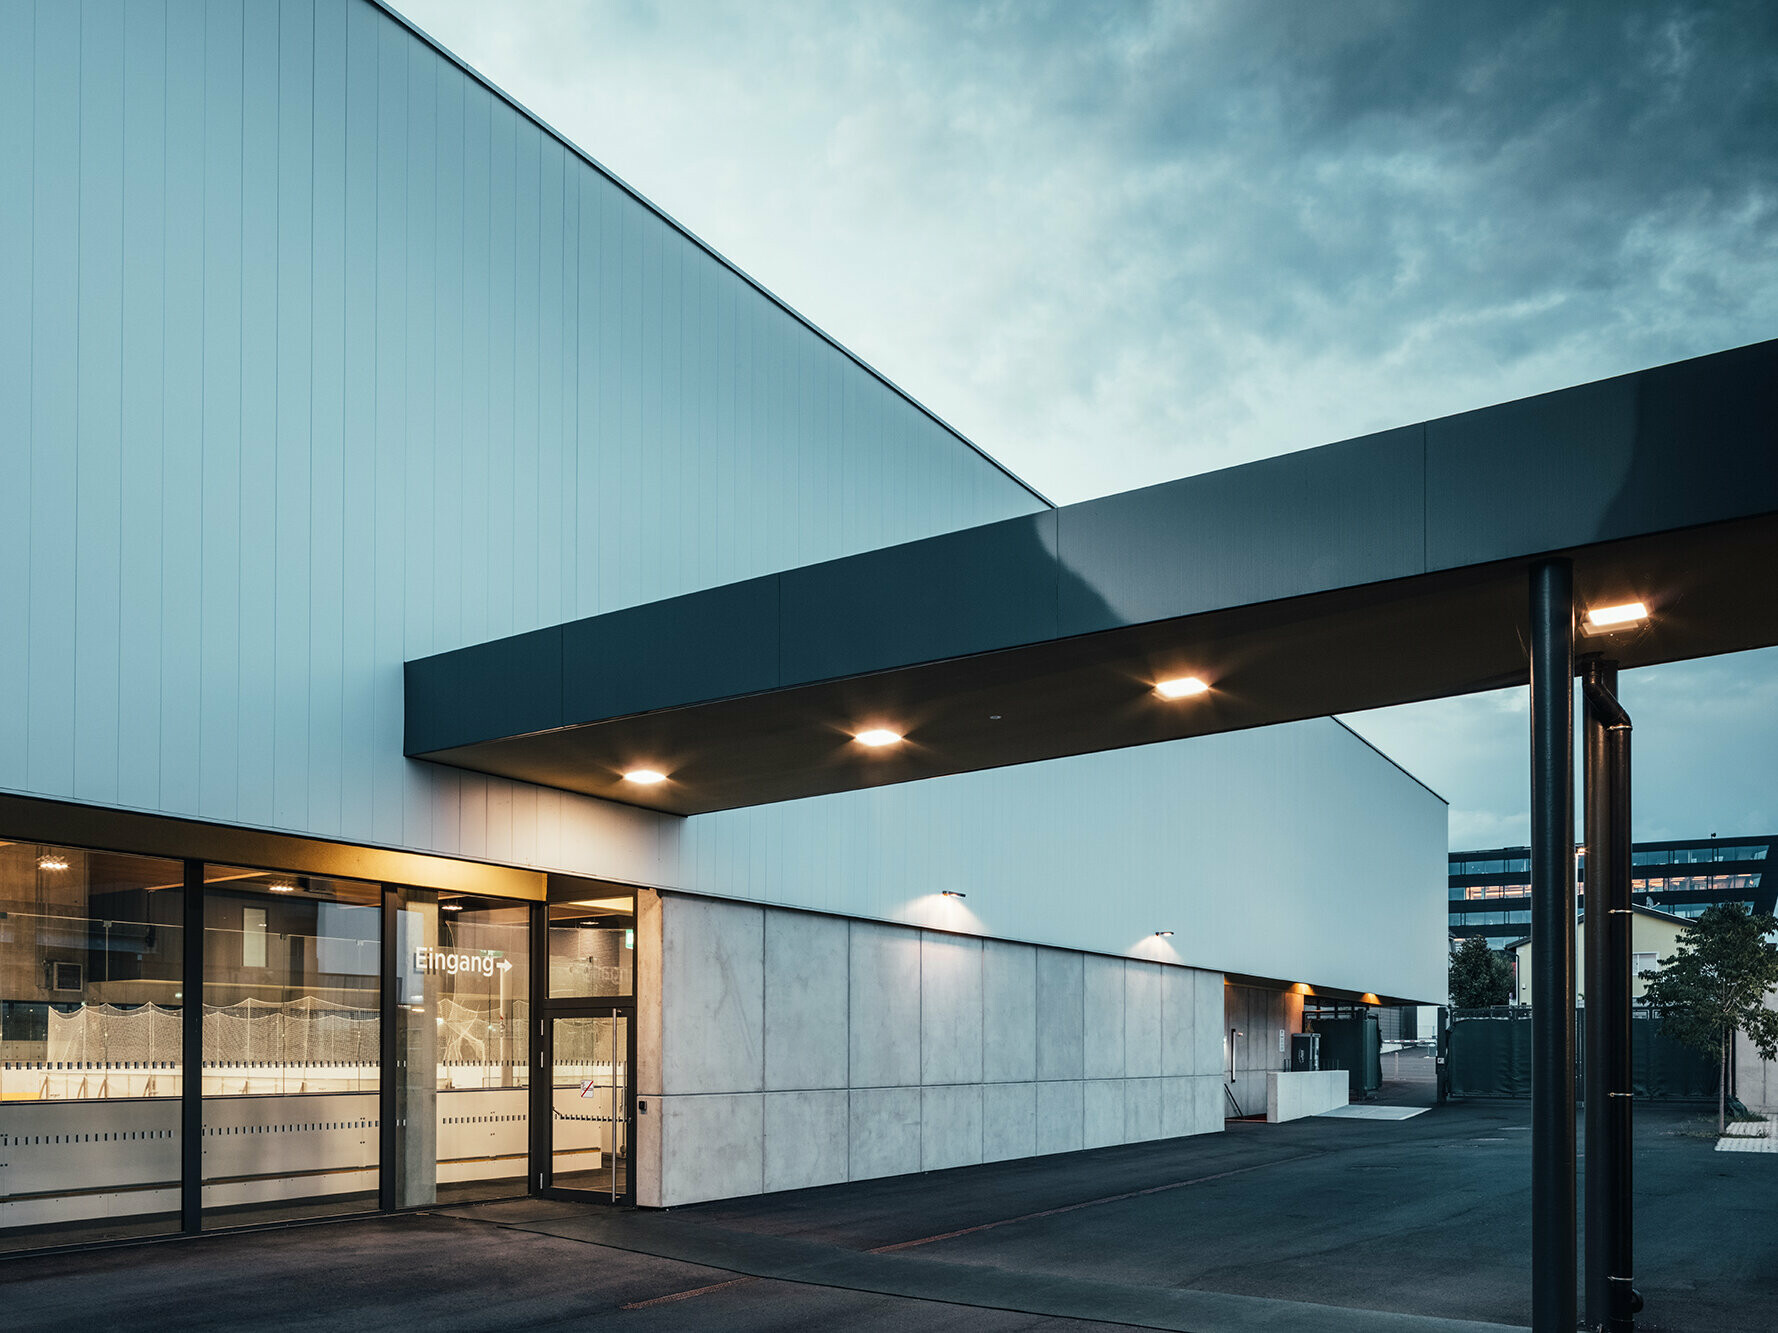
(282, 888)
(1182, 687)
(1607, 617)
(877, 737)
(51, 863)
(644, 777)
(451, 907)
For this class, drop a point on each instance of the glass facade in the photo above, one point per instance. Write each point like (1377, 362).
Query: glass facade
(358, 1045)
(592, 948)
(462, 1006)
(91, 964)
(1489, 890)
(292, 1044)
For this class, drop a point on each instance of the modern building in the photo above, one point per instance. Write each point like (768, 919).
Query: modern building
(322, 360)
(1491, 889)
(1653, 936)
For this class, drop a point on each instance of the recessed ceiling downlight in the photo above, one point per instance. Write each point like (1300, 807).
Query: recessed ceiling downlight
(644, 777)
(877, 737)
(1180, 687)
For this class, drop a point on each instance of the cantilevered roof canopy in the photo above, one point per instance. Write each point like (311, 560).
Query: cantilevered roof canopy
(1382, 570)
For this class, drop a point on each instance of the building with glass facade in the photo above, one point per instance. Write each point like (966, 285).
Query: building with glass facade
(1491, 889)
(321, 357)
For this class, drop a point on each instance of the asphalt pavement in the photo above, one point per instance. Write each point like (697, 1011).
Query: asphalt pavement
(1419, 1225)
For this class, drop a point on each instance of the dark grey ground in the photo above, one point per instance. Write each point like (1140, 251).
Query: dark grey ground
(1321, 1224)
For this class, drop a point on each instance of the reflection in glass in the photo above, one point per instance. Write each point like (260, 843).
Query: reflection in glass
(291, 1045)
(592, 946)
(461, 1044)
(589, 1104)
(91, 951)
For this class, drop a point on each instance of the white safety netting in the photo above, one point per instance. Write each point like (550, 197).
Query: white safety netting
(301, 1031)
(108, 1034)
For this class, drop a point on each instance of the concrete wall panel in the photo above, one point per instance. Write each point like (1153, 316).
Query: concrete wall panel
(1009, 1012)
(885, 1131)
(807, 1003)
(1061, 1116)
(871, 1014)
(807, 1139)
(1178, 1036)
(1142, 1020)
(711, 1147)
(1009, 1121)
(950, 1009)
(885, 990)
(950, 1126)
(1142, 1109)
(1061, 1050)
(1103, 1112)
(712, 992)
(1104, 1016)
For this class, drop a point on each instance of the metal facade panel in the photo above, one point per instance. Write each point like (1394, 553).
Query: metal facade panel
(1097, 852)
(18, 60)
(1660, 449)
(965, 592)
(1303, 523)
(323, 357)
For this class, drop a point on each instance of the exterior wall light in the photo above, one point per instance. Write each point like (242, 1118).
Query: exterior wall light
(877, 737)
(1182, 687)
(1610, 617)
(644, 777)
(1163, 934)
(953, 893)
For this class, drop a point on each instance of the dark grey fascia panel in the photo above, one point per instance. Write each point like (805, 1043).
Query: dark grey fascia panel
(1653, 451)
(1301, 523)
(973, 591)
(509, 687)
(1374, 571)
(705, 645)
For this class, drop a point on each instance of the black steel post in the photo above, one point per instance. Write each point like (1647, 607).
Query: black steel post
(1619, 1127)
(191, 1053)
(1553, 1269)
(389, 1001)
(1596, 978)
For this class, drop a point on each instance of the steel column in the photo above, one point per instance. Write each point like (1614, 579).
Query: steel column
(1553, 1269)
(191, 1053)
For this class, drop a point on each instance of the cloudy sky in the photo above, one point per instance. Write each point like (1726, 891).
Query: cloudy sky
(1117, 243)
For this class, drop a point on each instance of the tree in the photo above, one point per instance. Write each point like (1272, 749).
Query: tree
(1715, 982)
(1479, 976)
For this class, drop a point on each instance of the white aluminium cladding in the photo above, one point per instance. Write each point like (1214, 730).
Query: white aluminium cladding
(336, 359)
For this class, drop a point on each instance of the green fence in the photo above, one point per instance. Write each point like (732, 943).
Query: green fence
(1491, 1057)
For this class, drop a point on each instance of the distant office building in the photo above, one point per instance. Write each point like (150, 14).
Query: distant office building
(1491, 890)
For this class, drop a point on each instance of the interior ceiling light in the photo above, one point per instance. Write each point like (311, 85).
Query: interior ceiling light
(877, 737)
(1181, 687)
(644, 777)
(1609, 617)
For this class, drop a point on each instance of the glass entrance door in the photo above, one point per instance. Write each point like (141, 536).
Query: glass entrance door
(592, 1103)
